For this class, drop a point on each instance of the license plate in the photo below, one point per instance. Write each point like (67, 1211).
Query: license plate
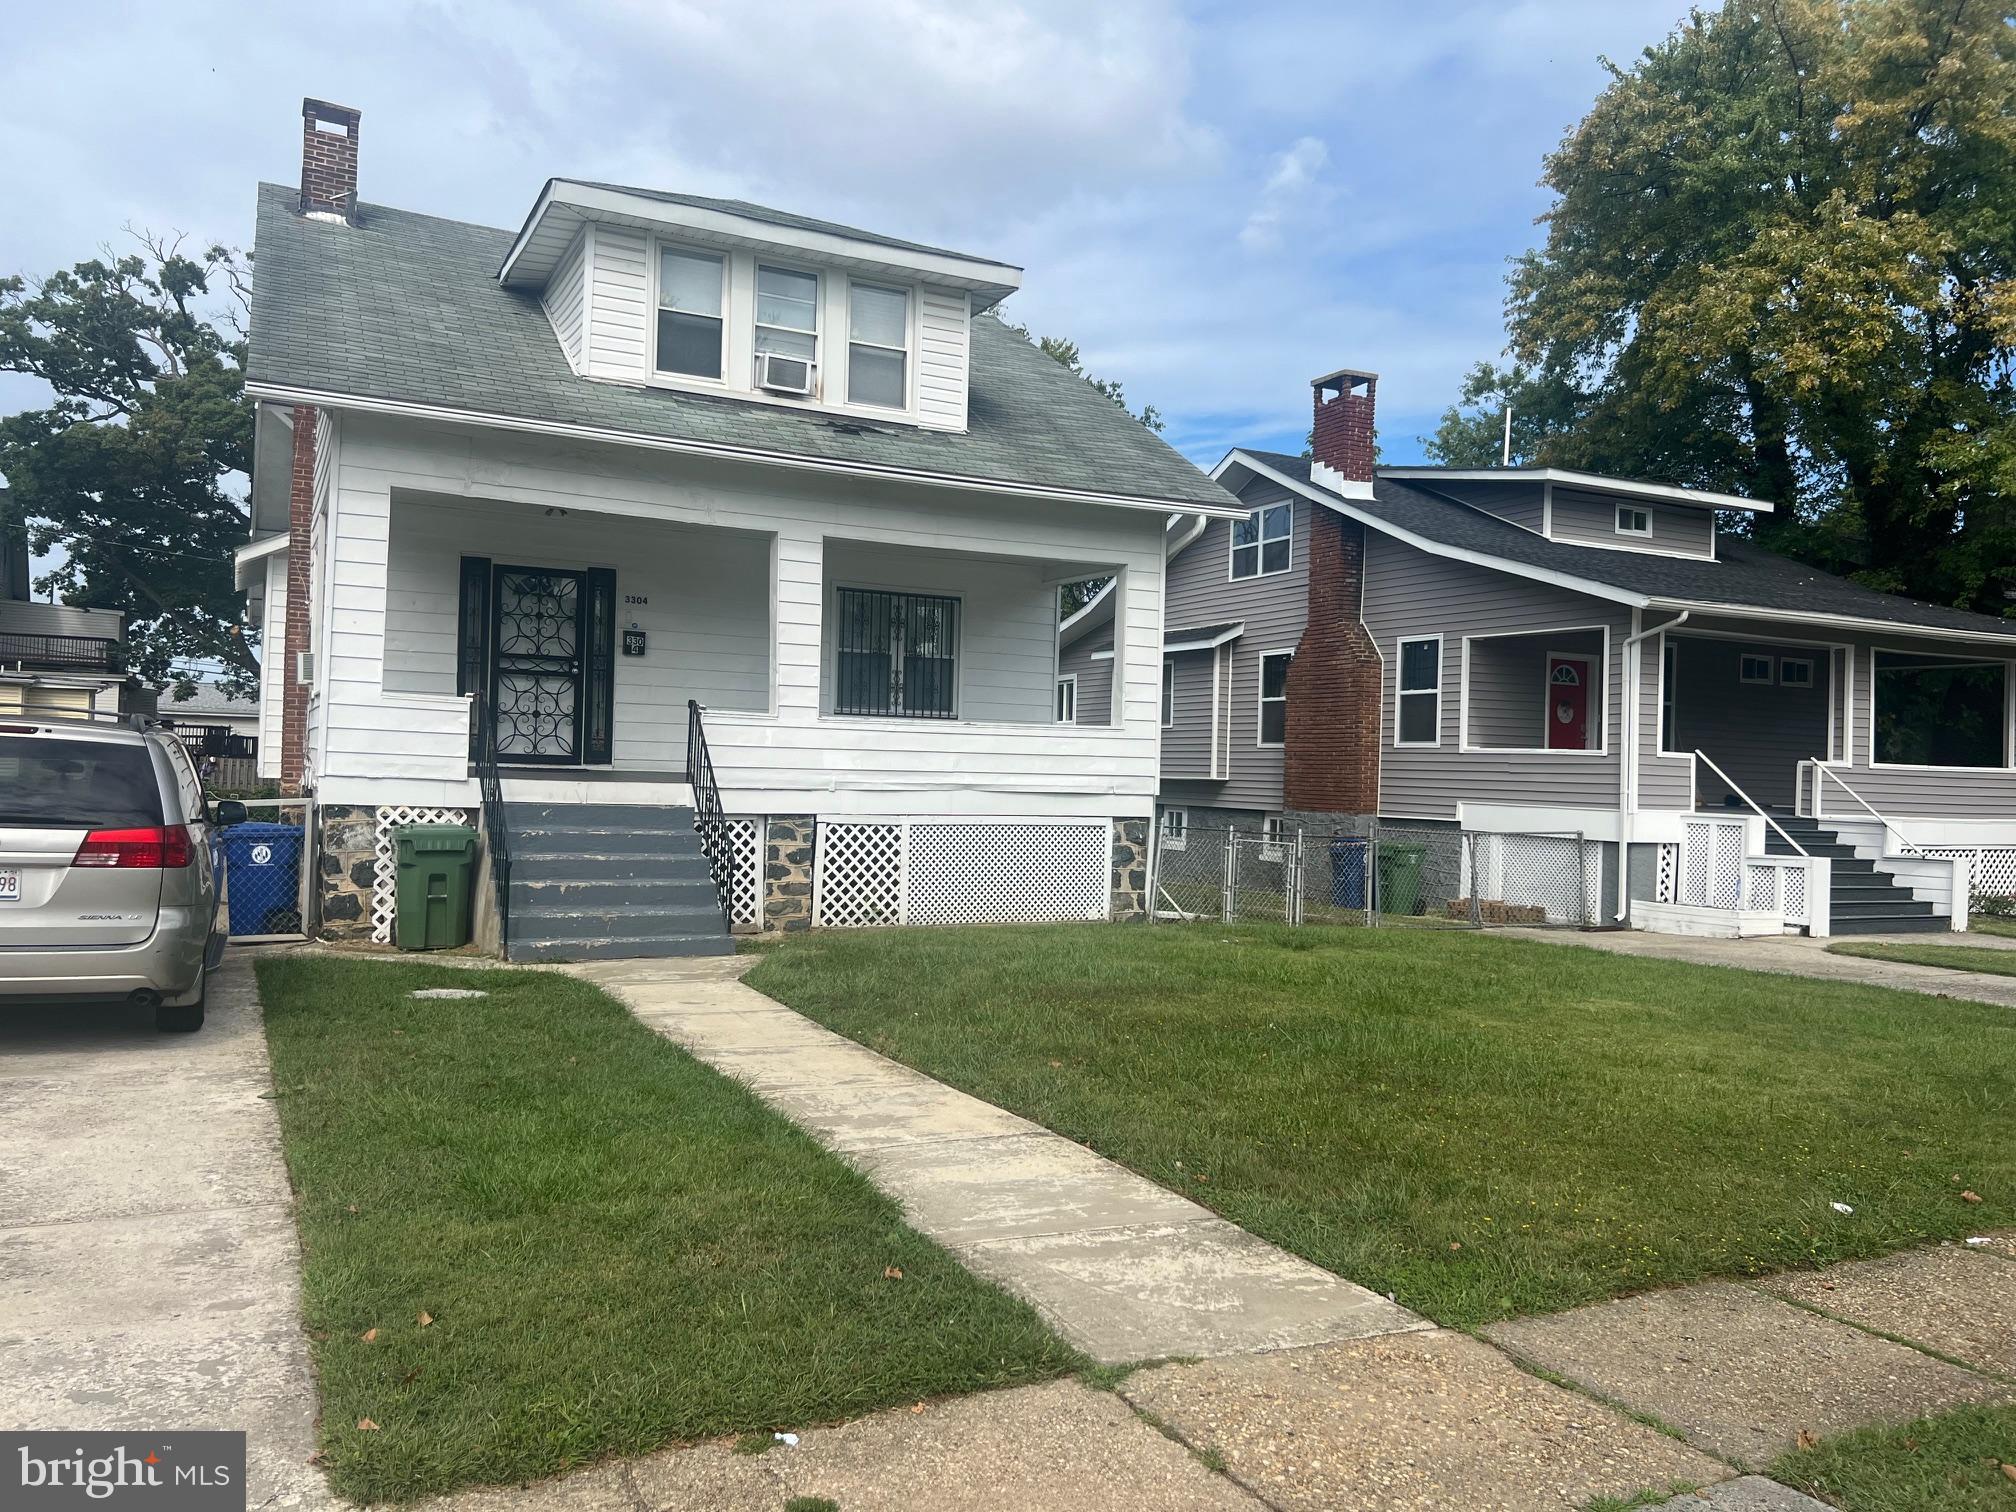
(10, 886)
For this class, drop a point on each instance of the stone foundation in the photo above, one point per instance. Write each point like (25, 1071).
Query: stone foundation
(787, 872)
(1130, 870)
(346, 869)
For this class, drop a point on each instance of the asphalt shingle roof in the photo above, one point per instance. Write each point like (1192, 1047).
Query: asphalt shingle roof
(407, 308)
(785, 218)
(1744, 577)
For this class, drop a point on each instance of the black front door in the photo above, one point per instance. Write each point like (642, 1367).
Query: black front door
(538, 632)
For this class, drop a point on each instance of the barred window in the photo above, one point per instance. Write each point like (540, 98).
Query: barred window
(898, 654)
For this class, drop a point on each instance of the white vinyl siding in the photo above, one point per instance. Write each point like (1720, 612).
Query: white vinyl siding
(943, 347)
(565, 299)
(619, 312)
(274, 674)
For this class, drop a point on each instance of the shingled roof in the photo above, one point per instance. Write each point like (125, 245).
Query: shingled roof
(1744, 575)
(407, 308)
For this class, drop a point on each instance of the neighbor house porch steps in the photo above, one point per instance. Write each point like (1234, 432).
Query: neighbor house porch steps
(609, 881)
(1865, 900)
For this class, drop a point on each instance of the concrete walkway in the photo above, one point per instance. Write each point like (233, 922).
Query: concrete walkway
(1799, 955)
(1122, 1267)
(149, 1270)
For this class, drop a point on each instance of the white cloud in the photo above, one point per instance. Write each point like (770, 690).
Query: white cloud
(1288, 190)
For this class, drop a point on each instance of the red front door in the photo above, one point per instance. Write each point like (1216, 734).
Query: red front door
(1568, 703)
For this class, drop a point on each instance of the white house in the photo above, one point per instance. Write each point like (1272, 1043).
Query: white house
(523, 500)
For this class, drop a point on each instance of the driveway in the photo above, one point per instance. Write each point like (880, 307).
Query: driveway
(149, 1272)
(1799, 955)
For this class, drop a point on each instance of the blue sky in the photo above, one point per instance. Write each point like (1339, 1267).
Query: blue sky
(1217, 201)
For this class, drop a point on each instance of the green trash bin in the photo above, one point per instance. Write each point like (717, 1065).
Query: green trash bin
(1400, 877)
(437, 871)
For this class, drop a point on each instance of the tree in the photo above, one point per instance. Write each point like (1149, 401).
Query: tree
(1779, 261)
(1472, 432)
(133, 470)
(1065, 353)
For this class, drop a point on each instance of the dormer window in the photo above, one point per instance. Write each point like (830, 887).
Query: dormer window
(787, 315)
(689, 312)
(1632, 521)
(878, 346)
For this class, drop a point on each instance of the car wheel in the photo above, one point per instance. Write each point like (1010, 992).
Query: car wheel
(169, 1019)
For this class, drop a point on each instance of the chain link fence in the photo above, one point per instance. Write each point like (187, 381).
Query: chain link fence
(1391, 876)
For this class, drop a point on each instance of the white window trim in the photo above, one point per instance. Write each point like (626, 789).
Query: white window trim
(1258, 546)
(1811, 682)
(1167, 693)
(1628, 530)
(659, 246)
(1400, 644)
(1064, 680)
(908, 350)
(1261, 700)
(820, 318)
(2008, 714)
(1463, 741)
(1771, 662)
(1176, 836)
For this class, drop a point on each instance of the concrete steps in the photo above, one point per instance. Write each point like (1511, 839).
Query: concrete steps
(609, 882)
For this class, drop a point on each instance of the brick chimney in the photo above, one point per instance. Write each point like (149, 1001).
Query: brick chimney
(1342, 443)
(1331, 762)
(329, 160)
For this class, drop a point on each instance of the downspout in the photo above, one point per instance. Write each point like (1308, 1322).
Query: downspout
(1627, 768)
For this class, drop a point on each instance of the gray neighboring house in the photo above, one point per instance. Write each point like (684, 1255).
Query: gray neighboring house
(54, 659)
(523, 498)
(1528, 651)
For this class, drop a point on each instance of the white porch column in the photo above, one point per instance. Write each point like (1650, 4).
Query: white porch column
(797, 619)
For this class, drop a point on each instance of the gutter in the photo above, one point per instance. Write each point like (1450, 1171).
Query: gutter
(1627, 769)
(524, 424)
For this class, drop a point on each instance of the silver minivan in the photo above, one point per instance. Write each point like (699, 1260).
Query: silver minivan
(110, 876)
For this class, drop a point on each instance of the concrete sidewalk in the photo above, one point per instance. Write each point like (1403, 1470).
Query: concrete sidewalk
(149, 1270)
(1122, 1267)
(1799, 955)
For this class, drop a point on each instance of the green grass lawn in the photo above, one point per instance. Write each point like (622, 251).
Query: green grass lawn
(1482, 1126)
(617, 1247)
(1952, 957)
(1984, 924)
(1951, 1463)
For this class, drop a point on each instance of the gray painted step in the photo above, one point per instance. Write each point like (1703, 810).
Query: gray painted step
(597, 866)
(544, 841)
(623, 948)
(579, 893)
(600, 815)
(1892, 924)
(1895, 907)
(551, 922)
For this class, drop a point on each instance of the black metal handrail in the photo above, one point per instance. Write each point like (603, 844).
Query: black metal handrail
(483, 746)
(87, 652)
(708, 821)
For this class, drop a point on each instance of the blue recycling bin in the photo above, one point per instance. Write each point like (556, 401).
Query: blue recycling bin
(1347, 871)
(263, 865)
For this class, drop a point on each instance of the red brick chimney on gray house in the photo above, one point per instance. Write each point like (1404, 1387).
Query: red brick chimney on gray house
(328, 192)
(1331, 760)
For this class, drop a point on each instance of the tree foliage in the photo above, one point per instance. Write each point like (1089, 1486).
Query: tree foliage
(134, 468)
(1064, 352)
(1779, 262)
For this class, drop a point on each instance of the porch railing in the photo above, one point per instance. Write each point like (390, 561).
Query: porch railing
(483, 746)
(1730, 783)
(1822, 773)
(87, 653)
(708, 820)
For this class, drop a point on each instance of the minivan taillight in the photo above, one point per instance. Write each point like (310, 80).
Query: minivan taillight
(163, 845)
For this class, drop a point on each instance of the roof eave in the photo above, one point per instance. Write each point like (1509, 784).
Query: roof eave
(1703, 498)
(2005, 639)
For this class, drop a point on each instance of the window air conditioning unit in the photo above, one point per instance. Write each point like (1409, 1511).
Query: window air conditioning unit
(783, 375)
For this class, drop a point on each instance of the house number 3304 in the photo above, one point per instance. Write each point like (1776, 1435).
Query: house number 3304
(636, 598)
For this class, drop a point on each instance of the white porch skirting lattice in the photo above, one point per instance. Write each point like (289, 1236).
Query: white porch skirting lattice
(744, 839)
(1992, 869)
(966, 872)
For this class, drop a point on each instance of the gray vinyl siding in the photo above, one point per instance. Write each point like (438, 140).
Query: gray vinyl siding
(1186, 743)
(1274, 610)
(26, 617)
(1664, 782)
(1411, 593)
(1896, 792)
(1521, 503)
(1507, 687)
(1095, 678)
(1756, 732)
(1581, 518)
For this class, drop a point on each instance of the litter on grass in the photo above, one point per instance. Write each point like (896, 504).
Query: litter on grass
(1841, 1207)
(447, 992)
(788, 1440)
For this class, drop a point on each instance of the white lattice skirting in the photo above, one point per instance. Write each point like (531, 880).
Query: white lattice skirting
(922, 872)
(385, 876)
(1991, 868)
(744, 839)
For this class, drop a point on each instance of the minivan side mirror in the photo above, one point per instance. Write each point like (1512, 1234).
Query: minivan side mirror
(230, 811)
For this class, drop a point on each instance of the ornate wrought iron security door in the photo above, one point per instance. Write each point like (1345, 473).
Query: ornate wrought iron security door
(538, 631)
